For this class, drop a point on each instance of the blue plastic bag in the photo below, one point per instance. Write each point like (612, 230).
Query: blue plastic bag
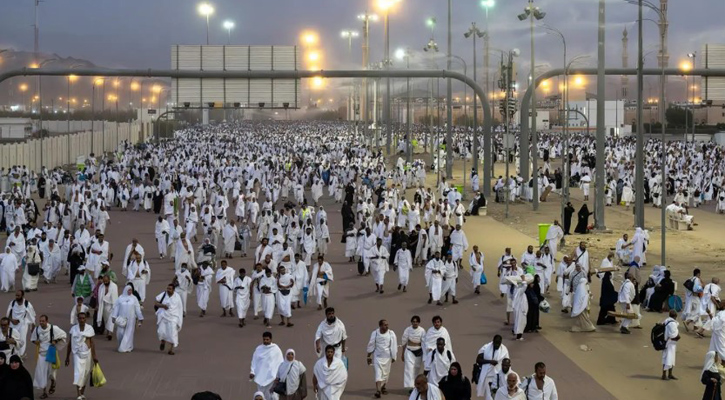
(304, 294)
(52, 355)
(483, 278)
(344, 361)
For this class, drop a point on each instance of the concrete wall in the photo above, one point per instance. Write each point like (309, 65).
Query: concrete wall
(64, 149)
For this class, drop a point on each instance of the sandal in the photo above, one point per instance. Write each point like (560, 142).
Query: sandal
(384, 390)
(377, 394)
(44, 396)
(52, 387)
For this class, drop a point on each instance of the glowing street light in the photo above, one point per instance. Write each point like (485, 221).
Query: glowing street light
(385, 5)
(318, 83)
(685, 66)
(229, 25)
(205, 9)
(313, 56)
(309, 38)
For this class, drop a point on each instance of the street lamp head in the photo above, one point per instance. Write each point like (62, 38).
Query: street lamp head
(386, 5)
(431, 22)
(538, 14)
(524, 16)
(691, 55)
(487, 3)
(228, 25)
(516, 52)
(309, 38)
(467, 34)
(205, 9)
(400, 54)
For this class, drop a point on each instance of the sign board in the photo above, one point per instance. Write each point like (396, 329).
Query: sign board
(226, 92)
(151, 111)
(509, 140)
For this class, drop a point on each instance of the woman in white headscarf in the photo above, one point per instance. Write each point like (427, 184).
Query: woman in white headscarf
(258, 396)
(292, 373)
(126, 313)
(8, 268)
(580, 300)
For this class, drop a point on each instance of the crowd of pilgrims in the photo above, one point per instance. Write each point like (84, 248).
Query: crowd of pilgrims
(695, 170)
(216, 192)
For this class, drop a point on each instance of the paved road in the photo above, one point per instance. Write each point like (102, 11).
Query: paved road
(215, 354)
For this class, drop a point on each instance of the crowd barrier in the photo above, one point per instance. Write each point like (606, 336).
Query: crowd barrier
(62, 149)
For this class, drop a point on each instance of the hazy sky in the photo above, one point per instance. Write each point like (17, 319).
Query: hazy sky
(139, 33)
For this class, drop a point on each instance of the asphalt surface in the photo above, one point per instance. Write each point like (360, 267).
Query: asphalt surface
(215, 354)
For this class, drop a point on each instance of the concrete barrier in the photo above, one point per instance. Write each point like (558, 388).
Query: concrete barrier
(58, 150)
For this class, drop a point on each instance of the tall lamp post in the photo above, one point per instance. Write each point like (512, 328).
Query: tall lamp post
(228, 25)
(405, 55)
(565, 156)
(474, 32)
(349, 35)
(432, 47)
(386, 5)
(449, 99)
(206, 9)
(693, 56)
(532, 13)
(365, 109)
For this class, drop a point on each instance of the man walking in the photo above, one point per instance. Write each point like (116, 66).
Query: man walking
(540, 386)
(672, 336)
(43, 337)
(382, 349)
(265, 363)
(84, 353)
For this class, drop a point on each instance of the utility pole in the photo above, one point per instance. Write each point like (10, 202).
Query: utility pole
(475, 32)
(639, 147)
(449, 101)
(601, 128)
(365, 64)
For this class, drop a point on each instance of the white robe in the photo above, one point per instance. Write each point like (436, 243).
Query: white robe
(42, 337)
(169, 322)
(242, 290)
(128, 308)
(226, 288)
(413, 365)
(489, 371)
(82, 360)
(265, 363)
(331, 379)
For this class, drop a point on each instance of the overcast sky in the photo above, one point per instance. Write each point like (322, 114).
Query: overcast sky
(139, 33)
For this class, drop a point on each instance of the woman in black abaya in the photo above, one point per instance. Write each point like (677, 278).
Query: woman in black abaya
(534, 297)
(607, 300)
(583, 220)
(17, 382)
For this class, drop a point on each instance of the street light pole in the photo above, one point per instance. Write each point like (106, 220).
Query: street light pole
(228, 25)
(449, 99)
(692, 55)
(475, 32)
(601, 128)
(639, 147)
(532, 13)
(565, 114)
(387, 110)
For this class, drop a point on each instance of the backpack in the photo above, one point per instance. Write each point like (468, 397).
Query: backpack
(689, 284)
(658, 336)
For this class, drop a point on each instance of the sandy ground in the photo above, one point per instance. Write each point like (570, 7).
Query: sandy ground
(626, 365)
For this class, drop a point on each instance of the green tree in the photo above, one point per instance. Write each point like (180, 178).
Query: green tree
(677, 117)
